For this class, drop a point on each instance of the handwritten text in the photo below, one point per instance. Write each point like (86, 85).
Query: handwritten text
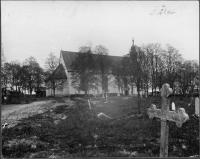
(161, 10)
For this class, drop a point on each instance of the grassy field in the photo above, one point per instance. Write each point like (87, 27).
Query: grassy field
(74, 130)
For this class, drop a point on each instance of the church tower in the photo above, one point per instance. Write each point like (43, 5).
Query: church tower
(133, 50)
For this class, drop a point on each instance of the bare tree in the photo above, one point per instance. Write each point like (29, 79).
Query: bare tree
(103, 65)
(136, 62)
(51, 63)
(173, 61)
(188, 76)
(83, 76)
(33, 72)
(149, 51)
(12, 74)
(161, 67)
(3, 60)
(117, 73)
(152, 62)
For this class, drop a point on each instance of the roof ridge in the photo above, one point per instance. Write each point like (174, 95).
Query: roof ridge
(84, 52)
(69, 51)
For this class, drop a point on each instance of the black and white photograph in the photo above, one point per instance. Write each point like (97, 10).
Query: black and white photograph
(99, 79)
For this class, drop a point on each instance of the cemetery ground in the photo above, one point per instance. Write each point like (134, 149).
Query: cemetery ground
(62, 128)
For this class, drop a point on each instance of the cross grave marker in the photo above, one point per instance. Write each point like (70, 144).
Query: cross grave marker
(179, 116)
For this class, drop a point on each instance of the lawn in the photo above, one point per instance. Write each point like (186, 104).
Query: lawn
(74, 130)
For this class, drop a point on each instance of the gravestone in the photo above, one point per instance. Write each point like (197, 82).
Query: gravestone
(138, 106)
(141, 94)
(106, 97)
(191, 101)
(89, 104)
(197, 106)
(102, 93)
(179, 117)
(173, 106)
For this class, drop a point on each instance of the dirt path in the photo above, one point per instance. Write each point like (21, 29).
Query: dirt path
(12, 114)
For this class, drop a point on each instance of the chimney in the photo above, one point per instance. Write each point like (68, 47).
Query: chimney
(133, 41)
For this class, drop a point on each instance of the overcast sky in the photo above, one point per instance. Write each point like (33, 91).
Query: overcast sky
(36, 28)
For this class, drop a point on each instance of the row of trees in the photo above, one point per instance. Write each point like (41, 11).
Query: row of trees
(21, 77)
(26, 76)
(151, 66)
(148, 66)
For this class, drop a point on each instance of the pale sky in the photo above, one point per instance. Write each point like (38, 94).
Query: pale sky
(36, 28)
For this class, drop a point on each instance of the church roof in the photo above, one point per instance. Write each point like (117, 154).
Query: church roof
(70, 56)
(59, 73)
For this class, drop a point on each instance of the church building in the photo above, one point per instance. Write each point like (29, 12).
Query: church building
(62, 79)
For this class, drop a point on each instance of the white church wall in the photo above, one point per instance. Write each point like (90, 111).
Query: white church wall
(71, 89)
(62, 91)
(134, 90)
(48, 92)
(112, 86)
(66, 88)
(58, 92)
(63, 63)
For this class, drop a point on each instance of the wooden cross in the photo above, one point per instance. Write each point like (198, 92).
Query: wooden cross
(179, 117)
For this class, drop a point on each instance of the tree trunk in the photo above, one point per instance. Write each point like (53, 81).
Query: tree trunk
(31, 92)
(86, 93)
(86, 88)
(118, 94)
(30, 89)
(139, 102)
(102, 93)
(147, 89)
(183, 93)
(138, 90)
(131, 89)
(156, 76)
(54, 89)
(103, 85)
(160, 86)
